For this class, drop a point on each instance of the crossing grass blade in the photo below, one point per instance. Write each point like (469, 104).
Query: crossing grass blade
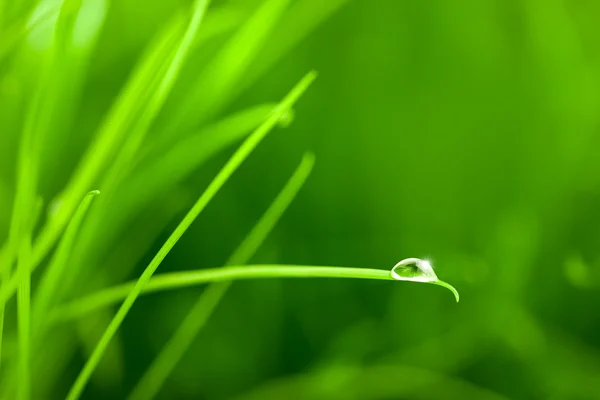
(153, 379)
(220, 179)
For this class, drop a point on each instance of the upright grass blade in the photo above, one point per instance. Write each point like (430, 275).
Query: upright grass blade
(24, 318)
(159, 175)
(163, 365)
(5, 256)
(299, 20)
(217, 82)
(47, 290)
(110, 134)
(158, 97)
(234, 162)
(10, 36)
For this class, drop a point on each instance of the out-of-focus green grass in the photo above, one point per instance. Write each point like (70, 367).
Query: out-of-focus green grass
(463, 132)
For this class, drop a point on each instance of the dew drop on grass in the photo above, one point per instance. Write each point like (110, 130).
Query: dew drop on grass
(417, 270)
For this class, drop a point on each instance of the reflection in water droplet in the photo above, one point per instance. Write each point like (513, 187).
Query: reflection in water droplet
(414, 269)
(417, 270)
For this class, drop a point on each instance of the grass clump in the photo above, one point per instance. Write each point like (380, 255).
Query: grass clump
(155, 134)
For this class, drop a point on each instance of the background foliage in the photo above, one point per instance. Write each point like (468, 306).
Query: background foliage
(462, 131)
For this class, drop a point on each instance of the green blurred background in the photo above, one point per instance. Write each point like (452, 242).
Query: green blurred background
(465, 132)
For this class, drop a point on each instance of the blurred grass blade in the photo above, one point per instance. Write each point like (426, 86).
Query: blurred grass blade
(297, 22)
(176, 347)
(166, 80)
(47, 290)
(110, 134)
(234, 162)
(42, 111)
(24, 318)
(156, 180)
(189, 153)
(5, 260)
(19, 29)
(217, 82)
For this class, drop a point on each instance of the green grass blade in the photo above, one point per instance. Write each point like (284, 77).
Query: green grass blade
(47, 290)
(217, 82)
(234, 162)
(183, 279)
(188, 154)
(301, 19)
(5, 259)
(24, 318)
(163, 365)
(110, 134)
(177, 280)
(158, 97)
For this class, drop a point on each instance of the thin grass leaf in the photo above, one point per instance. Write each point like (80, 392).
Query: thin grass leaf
(189, 153)
(220, 20)
(158, 97)
(23, 26)
(163, 365)
(110, 133)
(183, 279)
(157, 178)
(217, 82)
(24, 318)
(234, 162)
(297, 23)
(5, 256)
(46, 293)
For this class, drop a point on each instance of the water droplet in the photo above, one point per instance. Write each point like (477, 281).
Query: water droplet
(415, 270)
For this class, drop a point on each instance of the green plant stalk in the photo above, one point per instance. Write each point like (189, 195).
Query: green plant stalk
(5, 256)
(39, 113)
(177, 280)
(158, 98)
(24, 319)
(234, 162)
(53, 274)
(176, 347)
(111, 130)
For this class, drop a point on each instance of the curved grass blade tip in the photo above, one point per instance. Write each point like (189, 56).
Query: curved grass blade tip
(417, 270)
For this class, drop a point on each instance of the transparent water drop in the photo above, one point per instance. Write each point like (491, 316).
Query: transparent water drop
(417, 270)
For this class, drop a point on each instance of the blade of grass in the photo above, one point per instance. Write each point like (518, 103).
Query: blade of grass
(172, 166)
(216, 83)
(110, 133)
(163, 365)
(23, 318)
(177, 280)
(158, 97)
(24, 25)
(47, 290)
(234, 162)
(297, 22)
(5, 256)
(161, 88)
(158, 177)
